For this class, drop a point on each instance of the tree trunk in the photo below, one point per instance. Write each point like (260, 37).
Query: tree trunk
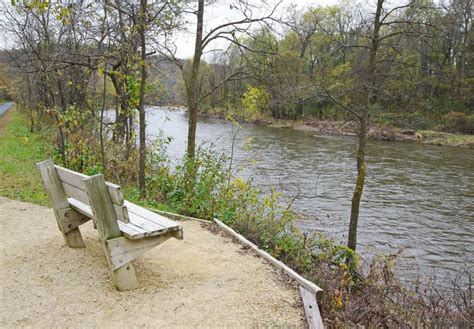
(120, 128)
(359, 187)
(192, 81)
(363, 121)
(141, 107)
(101, 122)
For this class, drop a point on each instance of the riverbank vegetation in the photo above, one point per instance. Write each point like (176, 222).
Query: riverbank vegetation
(81, 73)
(375, 131)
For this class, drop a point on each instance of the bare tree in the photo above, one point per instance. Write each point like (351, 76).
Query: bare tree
(141, 107)
(228, 31)
(382, 31)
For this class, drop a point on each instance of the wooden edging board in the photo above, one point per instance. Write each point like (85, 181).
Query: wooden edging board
(311, 309)
(308, 290)
(177, 216)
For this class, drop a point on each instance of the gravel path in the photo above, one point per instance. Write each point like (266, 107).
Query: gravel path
(203, 281)
(5, 106)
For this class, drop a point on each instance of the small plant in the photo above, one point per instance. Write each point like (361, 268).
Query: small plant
(159, 180)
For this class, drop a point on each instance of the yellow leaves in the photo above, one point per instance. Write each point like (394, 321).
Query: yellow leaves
(255, 101)
(240, 184)
(64, 11)
(276, 251)
(101, 70)
(337, 299)
(340, 70)
(251, 161)
(230, 117)
(343, 266)
(40, 5)
(25, 140)
(271, 201)
(63, 14)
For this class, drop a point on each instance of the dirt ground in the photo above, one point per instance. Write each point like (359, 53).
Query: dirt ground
(203, 281)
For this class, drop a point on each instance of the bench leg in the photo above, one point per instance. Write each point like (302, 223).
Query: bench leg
(124, 277)
(74, 238)
(68, 222)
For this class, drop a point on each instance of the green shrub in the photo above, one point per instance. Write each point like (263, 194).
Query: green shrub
(457, 122)
(196, 182)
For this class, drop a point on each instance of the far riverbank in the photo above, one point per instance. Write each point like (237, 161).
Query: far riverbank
(349, 128)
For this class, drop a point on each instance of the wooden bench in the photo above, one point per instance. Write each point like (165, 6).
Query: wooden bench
(126, 230)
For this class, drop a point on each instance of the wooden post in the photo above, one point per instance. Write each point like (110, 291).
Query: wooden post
(106, 222)
(58, 199)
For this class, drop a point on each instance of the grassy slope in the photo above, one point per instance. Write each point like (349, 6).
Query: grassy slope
(19, 151)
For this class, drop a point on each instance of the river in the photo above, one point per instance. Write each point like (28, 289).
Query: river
(417, 198)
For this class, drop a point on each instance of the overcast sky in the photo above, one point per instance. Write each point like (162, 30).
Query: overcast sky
(214, 15)
(220, 13)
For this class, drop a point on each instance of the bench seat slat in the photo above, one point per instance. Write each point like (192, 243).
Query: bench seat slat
(150, 215)
(145, 223)
(80, 207)
(138, 227)
(134, 232)
(130, 232)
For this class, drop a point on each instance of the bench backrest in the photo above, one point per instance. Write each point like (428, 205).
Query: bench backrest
(73, 185)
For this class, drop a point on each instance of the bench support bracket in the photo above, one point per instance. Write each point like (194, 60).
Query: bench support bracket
(69, 219)
(122, 251)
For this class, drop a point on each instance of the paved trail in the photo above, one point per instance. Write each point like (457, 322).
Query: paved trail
(4, 107)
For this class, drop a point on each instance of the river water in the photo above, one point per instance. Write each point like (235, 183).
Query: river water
(417, 198)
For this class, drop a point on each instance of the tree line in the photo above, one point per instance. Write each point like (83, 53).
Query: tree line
(316, 61)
